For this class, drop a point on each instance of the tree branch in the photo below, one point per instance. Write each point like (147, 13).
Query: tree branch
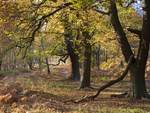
(40, 22)
(101, 11)
(88, 98)
(135, 31)
(62, 59)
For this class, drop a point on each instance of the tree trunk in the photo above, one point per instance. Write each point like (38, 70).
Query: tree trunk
(140, 86)
(98, 57)
(121, 36)
(74, 58)
(0, 64)
(146, 21)
(137, 69)
(47, 64)
(142, 57)
(71, 47)
(46, 58)
(30, 64)
(85, 82)
(40, 64)
(143, 52)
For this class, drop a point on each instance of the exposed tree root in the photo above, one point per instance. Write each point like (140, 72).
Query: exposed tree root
(91, 98)
(122, 95)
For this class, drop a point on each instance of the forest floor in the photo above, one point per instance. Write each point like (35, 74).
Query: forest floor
(35, 92)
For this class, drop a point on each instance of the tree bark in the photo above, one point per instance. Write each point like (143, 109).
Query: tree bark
(98, 57)
(85, 82)
(47, 64)
(74, 58)
(146, 21)
(46, 58)
(143, 52)
(0, 64)
(30, 64)
(140, 85)
(121, 36)
(71, 47)
(137, 69)
(142, 57)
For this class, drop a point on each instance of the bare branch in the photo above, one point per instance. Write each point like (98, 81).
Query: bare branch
(135, 31)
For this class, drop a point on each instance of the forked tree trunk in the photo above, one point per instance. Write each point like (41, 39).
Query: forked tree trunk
(142, 57)
(137, 70)
(143, 51)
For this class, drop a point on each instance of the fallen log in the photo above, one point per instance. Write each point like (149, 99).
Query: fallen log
(90, 98)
